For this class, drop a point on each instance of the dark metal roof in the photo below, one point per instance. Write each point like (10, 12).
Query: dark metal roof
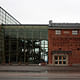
(64, 26)
(24, 24)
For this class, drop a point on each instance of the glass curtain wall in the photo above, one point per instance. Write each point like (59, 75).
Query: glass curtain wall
(2, 58)
(26, 44)
(6, 18)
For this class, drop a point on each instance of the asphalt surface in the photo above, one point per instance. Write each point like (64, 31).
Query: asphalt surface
(39, 75)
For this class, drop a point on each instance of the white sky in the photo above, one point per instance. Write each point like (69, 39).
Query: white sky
(41, 11)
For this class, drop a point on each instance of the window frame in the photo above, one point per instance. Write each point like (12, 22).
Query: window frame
(74, 32)
(58, 32)
(62, 60)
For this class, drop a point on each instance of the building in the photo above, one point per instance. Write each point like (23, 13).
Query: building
(53, 43)
(64, 43)
(6, 18)
(56, 43)
(24, 43)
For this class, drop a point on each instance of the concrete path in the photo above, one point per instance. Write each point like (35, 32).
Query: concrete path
(8, 68)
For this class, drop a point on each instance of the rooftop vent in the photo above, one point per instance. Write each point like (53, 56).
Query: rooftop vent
(50, 23)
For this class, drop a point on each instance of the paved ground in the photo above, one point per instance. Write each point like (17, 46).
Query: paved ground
(39, 76)
(39, 73)
(4, 68)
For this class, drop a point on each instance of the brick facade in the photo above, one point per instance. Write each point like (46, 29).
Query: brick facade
(66, 41)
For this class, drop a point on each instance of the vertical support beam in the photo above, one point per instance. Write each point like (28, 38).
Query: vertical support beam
(0, 18)
(24, 57)
(58, 59)
(17, 48)
(2, 46)
(5, 17)
(62, 59)
(9, 48)
(3, 54)
(24, 52)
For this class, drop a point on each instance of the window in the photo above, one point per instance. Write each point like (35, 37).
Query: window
(78, 48)
(58, 32)
(74, 32)
(60, 59)
(44, 50)
(59, 48)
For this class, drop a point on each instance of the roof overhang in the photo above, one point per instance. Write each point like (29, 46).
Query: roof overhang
(63, 52)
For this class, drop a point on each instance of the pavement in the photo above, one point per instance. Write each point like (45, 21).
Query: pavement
(39, 76)
(37, 68)
(23, 68)
(36, 72)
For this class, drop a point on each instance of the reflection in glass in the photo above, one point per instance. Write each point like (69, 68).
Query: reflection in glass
(24, 47)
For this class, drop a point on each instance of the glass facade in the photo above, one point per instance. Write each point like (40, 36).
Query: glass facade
(2, 46)
(25, 44)
(6, 18)
(22, 43)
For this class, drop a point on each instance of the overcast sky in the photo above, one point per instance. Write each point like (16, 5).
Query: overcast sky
(41, 11)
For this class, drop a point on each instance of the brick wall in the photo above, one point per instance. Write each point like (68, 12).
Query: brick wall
(65, 42)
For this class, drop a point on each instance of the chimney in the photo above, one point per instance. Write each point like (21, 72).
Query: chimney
(50, 23)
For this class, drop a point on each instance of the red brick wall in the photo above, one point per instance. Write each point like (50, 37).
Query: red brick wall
(65, 41)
